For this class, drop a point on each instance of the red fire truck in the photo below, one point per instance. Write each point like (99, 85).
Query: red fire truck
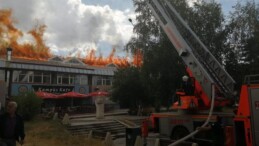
(213, 87)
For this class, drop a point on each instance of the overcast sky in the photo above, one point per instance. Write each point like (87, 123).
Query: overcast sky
(80, 25)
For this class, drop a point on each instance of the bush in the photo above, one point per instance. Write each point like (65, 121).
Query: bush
(28, 105)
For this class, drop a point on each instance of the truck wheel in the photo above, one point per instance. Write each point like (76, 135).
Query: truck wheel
(179, 132)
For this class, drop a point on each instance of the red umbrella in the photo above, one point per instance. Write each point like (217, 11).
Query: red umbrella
(98, 93)
(72, 95)
(46, 95)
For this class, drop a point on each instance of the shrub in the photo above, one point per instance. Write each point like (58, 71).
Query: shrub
(28, 105)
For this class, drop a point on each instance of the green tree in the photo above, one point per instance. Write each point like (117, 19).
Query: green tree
(252, 44)
(160, 72)
(243, 27)
(207, 21)
(128, 89)
(252, 48)
(28, 105)
(163, 68)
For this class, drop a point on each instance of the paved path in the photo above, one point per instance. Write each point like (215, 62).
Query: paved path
(88, 115)
(122, 142)
(92, 120)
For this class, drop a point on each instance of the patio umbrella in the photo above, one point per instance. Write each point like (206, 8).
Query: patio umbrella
(98, 93)
(72, 95)
(46, 95)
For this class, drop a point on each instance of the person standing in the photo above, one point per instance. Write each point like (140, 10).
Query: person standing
(11, 126)
(187, 85)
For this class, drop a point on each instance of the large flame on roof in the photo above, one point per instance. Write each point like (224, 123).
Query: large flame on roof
(38, 50)
(91, 59)
(138, 58)
(9, 36)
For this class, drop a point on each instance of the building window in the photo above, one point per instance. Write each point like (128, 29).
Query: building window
(104, 81)
(23, 77)
(65, 79)
(99, 82)
(59, 79)
(15, 76)
(30, 78)
(37, 77)
(83, 80)
(108, 82)
(46, 78)
(71, 79)
(77, 79)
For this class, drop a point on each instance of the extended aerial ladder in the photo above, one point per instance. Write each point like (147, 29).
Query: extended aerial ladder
(201, 64)
(208, 72)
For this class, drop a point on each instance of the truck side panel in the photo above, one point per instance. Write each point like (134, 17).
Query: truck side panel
(167, 125)
(254, 102)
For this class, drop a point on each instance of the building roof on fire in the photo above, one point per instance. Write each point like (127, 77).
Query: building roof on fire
(57, 64)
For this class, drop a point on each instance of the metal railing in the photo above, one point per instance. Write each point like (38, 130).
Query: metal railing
(251, 79)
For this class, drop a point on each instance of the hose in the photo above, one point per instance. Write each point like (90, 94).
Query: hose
(204, 124)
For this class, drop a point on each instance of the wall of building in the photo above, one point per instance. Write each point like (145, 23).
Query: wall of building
(18, 88)
(2, 75)
(103, 83)
(3, 93)
(52, 82)
(2, 88)
(57, 82)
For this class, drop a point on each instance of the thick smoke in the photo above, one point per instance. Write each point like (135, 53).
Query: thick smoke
(72, 24)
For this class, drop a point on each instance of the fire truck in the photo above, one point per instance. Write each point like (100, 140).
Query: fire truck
(213, 88)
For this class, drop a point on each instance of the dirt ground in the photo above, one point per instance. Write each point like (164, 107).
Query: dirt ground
(41, 132)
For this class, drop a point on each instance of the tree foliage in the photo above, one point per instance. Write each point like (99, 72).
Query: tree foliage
(233, 40)
(161, 73)
(207, 21)
(162, 68)
(28, 105)
(128, 89)
(242, 57)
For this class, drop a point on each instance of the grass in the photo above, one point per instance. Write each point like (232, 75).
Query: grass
(52, 133)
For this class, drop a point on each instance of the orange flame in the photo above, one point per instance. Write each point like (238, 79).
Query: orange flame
(138, 58)
(91, 59)
(9, 36)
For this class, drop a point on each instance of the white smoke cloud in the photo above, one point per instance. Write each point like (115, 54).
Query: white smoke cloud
(73, 24)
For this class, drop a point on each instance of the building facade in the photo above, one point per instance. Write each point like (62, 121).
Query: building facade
(55, 75)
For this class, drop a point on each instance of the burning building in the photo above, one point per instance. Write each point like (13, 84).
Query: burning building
(31, 66)
(55, 75)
